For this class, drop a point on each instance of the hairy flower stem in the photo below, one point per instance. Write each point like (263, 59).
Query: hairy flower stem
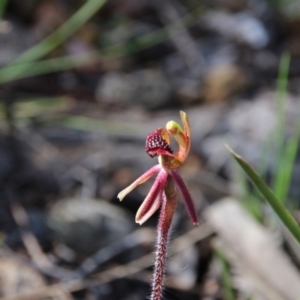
(163, 191)
(163, 229)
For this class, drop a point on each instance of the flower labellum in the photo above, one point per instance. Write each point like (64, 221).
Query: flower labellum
(158, 143)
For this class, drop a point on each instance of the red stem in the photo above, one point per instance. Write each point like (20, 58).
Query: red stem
(163, 228)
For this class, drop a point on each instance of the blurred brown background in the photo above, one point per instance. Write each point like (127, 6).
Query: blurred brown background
(74, 123)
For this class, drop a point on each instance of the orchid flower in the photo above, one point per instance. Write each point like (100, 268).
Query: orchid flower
(163, 193)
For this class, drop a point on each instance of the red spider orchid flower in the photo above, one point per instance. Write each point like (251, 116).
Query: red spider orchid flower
(158, 144)
(163, 193)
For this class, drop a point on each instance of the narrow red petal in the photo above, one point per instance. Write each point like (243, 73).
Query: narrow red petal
(153, 199)
(139, 181)
(187, 198)
(148, 208)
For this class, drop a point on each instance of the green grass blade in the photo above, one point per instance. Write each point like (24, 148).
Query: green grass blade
(62, 33)
(29, 69)
(2, 7)
(280, 129)
(247, 197)
(18, 70)
(282, 83)
(56, 38)
(284, 157)
(228, 292)
(286, 164)
(283, 214)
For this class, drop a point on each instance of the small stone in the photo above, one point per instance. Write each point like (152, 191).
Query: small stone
(152, 89)
(242, 27)
(86, 225)
(115, 88)
(223, 81)
(148, 88)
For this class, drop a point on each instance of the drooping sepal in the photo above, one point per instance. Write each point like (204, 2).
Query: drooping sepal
(187, 198)
(153, 199)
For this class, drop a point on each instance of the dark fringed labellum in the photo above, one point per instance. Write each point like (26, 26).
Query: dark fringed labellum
(157, 143)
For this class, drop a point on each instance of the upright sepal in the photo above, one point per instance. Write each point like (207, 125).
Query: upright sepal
(187, 131)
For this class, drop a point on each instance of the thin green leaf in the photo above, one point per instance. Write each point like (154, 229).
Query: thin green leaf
(29, 69)
(2, 7)
(282, 83)
(95, 125)
(18, 70)
(57, 37)
(283, 214)
(250, 201)
(225, 275)
(286, 165)
(280, 129)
